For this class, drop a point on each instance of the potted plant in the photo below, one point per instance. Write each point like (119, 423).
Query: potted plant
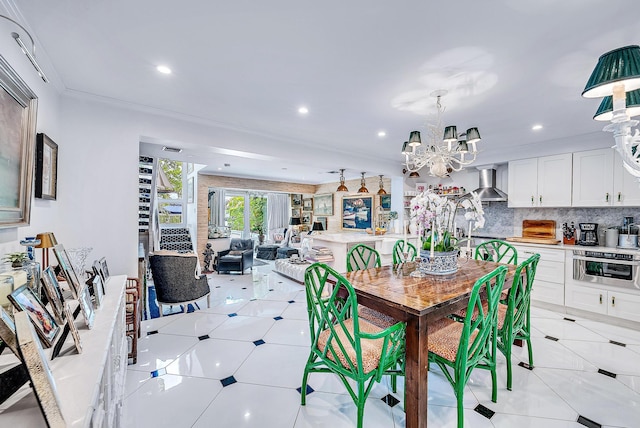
(16, 259)
(259, 229)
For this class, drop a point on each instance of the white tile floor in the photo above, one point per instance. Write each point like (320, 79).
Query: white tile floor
(193, 355)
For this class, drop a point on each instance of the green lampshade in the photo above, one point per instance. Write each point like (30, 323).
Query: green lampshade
(414, 138)
(473, 135)
(605, 111)
(619, 66)
(450, 134)
(405, 148)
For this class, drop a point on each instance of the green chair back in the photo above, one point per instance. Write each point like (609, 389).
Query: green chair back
(335, 333)
(361, 257)
(517, 319)
(477, 345)
(497, 251)
(399, 249)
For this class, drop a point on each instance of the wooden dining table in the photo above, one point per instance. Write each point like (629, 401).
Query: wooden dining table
(418, 302)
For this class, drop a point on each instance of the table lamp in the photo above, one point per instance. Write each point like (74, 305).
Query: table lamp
(317, 226)
(47, 240)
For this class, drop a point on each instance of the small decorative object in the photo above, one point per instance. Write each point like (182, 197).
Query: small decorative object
(208, 256)
(24, 300)
(46, 185)
(97, 288)
(434, 218)
(30, 242)
(16, 259)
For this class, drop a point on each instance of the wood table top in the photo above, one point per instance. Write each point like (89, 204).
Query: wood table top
(420, 296)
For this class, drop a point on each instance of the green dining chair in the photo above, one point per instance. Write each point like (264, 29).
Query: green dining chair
(344, 344)
(361, 257)
(497, 251)
(514, 314)
(459, 347)
(398, 250)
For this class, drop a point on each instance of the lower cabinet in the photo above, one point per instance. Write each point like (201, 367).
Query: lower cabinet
(610, 302)
(548, 285)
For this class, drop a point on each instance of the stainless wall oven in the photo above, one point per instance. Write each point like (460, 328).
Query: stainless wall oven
(608, 268)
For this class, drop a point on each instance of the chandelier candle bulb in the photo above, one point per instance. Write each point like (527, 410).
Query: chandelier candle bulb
(433, 237)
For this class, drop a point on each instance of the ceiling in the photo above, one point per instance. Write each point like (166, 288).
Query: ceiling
(360, 66)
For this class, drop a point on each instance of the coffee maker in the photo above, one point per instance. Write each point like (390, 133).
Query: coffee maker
(588, 234)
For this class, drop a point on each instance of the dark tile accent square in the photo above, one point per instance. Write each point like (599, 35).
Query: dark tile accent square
(231, 279)
(279, 282)
(159, 372)
(217, 286)
(277, 318)
(252, 300)
(484, 411)
(204, 337)
(390, 400)
(291, 301)
(309, 389)
(525, 365)
(228, 381)
(259, 342)
(232, 315)
(569, 319)
(613, 342)
(555, 339)
(271, 289)
(244, 288)
(149, 333)
(588, 422)
(607, 373)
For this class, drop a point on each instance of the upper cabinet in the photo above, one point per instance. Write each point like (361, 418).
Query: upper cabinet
(540, 182)
(600, 180)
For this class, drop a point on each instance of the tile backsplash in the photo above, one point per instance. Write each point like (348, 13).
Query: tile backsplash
(502, 221)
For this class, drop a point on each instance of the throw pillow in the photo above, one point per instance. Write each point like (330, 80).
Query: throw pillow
(235, 253)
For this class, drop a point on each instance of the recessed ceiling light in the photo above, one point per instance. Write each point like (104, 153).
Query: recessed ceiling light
(536, 127)
(303, 110)
(163, 69)
(382, 134)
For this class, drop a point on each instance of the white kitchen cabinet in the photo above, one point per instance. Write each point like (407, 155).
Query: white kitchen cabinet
(610, 301)
(540, 182)
(548, 285)
(600, 180)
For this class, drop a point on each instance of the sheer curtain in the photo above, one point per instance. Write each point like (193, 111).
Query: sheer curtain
(217, 206)
(277, 211)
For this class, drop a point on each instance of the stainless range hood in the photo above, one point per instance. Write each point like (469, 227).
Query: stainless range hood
(488, 191)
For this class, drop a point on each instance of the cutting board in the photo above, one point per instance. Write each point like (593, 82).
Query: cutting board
(537, 232)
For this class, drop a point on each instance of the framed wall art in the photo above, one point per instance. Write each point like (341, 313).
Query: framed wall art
(24, 300)
(385, 202)
(356, 212)
(46, 184)
(323, 204)
(296, 200)
(307, 204)
(306, 217)
(18, 105)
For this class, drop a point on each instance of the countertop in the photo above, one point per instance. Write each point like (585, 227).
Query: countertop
(351, 237)
(580, 248)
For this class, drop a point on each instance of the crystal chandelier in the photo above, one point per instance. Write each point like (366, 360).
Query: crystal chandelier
(617, 79)
(444, 152)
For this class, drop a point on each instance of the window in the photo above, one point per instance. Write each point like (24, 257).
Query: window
(246, 213)
(171, 198)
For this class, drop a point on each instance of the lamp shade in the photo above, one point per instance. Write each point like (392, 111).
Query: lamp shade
(450, 134)
(317, 226)
(405, 148)
(463, 147)
(414, 138)
(619, 66)
(473, 135)
(47, 240)
(295, 221)
(605, 111)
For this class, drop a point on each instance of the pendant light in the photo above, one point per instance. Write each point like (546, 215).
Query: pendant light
(342, 187)
(381, 191)
(363, 185)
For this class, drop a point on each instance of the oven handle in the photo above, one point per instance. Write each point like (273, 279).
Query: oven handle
(612, 261)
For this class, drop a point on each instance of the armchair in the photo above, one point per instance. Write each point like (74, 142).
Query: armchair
(237, 258)
(175, 280)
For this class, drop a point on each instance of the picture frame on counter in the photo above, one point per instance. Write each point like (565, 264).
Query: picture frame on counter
(86, 307)
(97, 289)
(8, 331)
(44, 323)
(72, 328)
(97, 270)
(40, 374)
(53, 293)
(357, 212)
(67, 270)
(323, 205)
(105, 270)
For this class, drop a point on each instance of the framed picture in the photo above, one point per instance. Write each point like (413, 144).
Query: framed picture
(72, 328)
(190, 190)
(98, 290)
(307, 204)
(295, 212)
(86, 306)
(105, 270)
(39, 372)
(97, 269)
(322, 220)
(296, 200)
(54, 294)
(323, 204)
(385, 202)
(46, 168)
(24, 300)
(8, 331)
(18, 105)
(356, 212)
(306, 217)
(67, 269)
